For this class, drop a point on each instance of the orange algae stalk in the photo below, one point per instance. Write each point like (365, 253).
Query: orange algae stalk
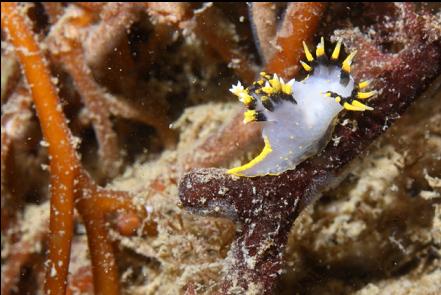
(64, 162)
(68, 180)
(300, 23)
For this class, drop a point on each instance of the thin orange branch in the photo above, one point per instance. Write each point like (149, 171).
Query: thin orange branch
(105, 272)
(64, 162)
(91, 94)
(300, 23)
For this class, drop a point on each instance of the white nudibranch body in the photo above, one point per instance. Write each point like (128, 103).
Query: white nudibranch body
(298, 117)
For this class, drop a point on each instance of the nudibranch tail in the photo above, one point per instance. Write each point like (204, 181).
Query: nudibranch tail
(299, 116)
(265, 151)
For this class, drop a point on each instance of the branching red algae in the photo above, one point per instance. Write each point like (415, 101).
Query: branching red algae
(66, 49)
(266, 207)
(68, 181)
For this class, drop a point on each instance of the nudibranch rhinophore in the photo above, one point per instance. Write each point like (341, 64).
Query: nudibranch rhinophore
(298, 117)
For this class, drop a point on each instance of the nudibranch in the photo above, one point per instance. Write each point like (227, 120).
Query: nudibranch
(298, 117)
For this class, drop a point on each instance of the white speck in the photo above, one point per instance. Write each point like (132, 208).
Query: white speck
(336, 140)
(53, 271)
(44, 143)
